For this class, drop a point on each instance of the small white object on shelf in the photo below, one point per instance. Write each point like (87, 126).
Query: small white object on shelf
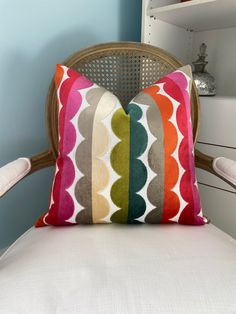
(198, 15)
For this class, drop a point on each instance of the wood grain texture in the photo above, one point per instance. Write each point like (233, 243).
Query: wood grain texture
(42, 160)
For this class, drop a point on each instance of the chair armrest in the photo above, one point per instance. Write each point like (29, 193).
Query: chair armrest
(226, 168)
(16, 170)
(222, 167)
(13, 172)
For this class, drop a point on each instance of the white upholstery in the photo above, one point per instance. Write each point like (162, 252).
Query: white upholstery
(13, 172)
(116, 269)
(226, 168)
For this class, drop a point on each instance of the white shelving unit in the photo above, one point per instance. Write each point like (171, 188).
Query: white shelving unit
(198, 15)
(180, 28)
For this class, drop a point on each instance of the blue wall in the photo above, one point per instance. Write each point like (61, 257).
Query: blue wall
(34, 36)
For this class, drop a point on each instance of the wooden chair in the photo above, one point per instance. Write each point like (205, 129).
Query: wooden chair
(123, 68)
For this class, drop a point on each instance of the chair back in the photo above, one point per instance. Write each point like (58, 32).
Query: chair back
(124, 68)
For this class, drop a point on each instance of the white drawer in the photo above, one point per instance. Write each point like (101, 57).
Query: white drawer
(218, 121)
(220, 208)
(215, 151)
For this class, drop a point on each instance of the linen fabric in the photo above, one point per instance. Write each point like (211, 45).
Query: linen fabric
(138, 269)
(226, 168)
(13, 172)
(124, 165)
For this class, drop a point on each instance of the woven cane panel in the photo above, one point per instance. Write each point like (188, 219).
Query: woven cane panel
(123, 73)
(123, 68)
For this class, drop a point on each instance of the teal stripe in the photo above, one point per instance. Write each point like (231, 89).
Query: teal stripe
(138, 171)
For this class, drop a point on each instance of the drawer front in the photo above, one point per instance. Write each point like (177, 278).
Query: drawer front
(218, 121)
(215, 151)
(220, 207)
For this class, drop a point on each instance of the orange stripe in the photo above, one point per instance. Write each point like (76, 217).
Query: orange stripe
(58, 75)
(171, 170)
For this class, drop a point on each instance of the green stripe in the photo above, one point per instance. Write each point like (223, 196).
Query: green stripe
(120, 162)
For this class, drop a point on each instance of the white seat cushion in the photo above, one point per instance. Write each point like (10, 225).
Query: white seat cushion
(110, 269)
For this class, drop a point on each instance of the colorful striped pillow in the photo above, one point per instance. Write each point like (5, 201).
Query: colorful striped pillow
(120, 165)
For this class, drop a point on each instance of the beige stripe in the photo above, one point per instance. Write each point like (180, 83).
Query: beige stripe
(83, 188)
(100, 146)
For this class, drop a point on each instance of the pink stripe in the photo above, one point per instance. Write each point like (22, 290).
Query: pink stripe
(188, 189)
(71, 100)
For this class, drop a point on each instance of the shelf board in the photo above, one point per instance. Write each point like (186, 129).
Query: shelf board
(221, 99)
(198, 15)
